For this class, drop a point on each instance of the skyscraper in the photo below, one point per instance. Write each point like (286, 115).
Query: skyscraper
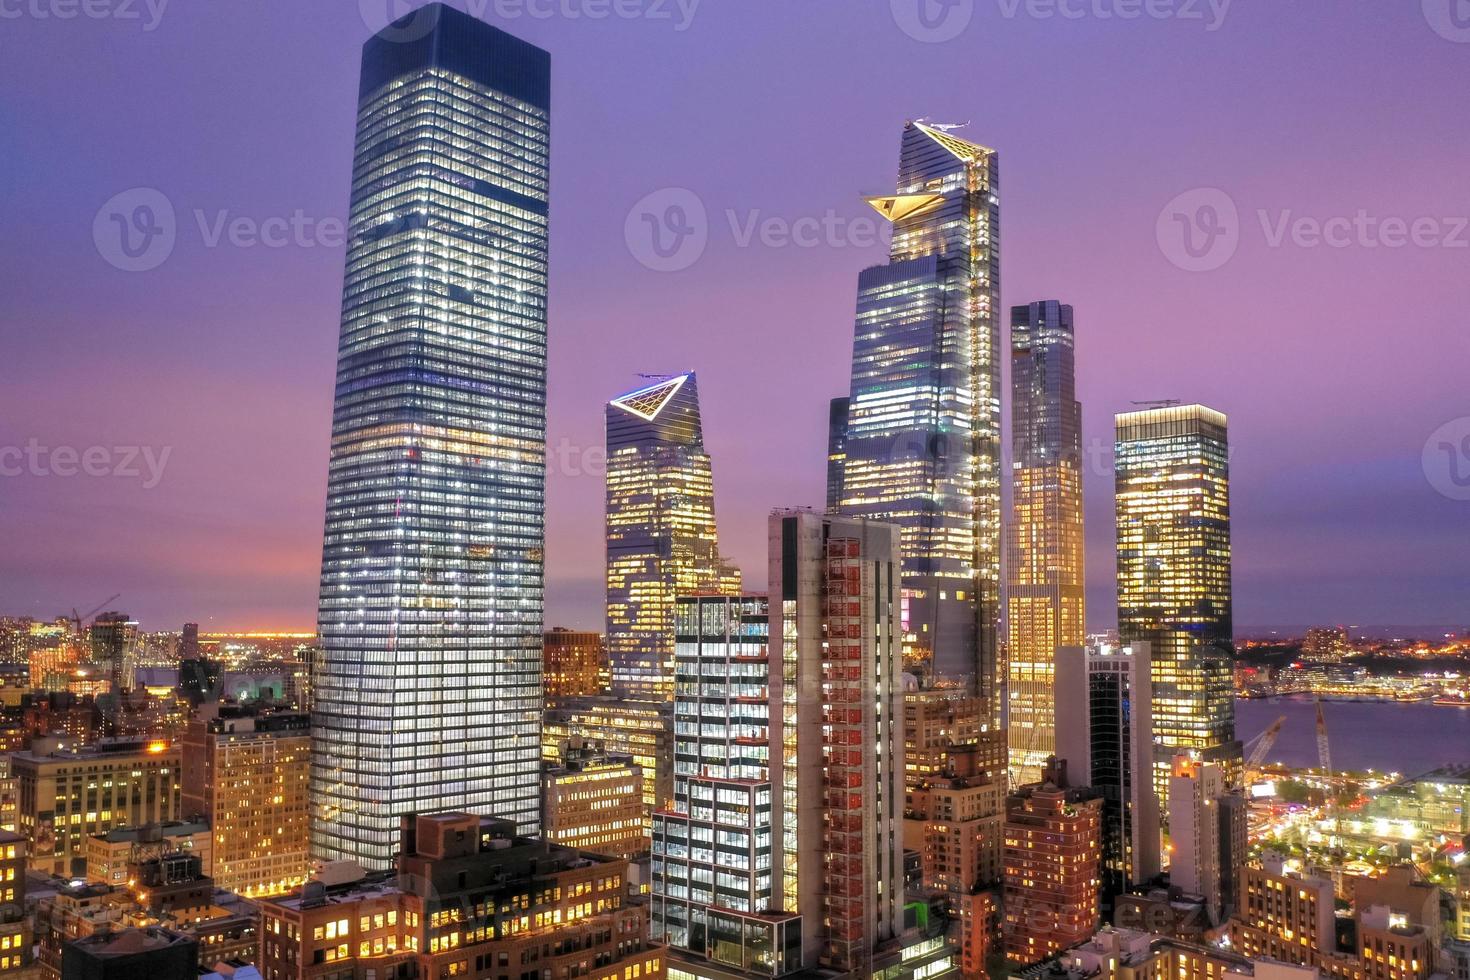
(836, 450)
(1105, 733)
(1046, 594)
(1173, 509)
(923, 431)
(428, 682)
(835, 593)
(661, 539)
(782, 847)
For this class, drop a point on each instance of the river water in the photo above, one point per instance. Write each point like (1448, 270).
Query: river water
(1387, 736)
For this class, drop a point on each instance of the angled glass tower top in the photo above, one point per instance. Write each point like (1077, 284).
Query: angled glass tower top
(661, 540)
(922, 444)
(664, 412)
(428, 684)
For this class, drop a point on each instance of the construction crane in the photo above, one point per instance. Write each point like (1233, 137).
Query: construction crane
(1324, 751)
(1324, 756)
(77, 619)
(1262, 743)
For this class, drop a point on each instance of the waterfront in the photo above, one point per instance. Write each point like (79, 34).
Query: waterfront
(1408, 738)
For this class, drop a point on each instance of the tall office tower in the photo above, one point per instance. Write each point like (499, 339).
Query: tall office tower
(1173, 509)
(661, 540)
(1105, 732)
(836, 450)
(923, 431)
(1045, 589)
(1052, 851)
(189, 642)
(427, 687)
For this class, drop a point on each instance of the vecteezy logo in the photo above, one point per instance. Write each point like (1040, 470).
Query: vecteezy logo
(1449, 18)
(668, 230)
(1447, 459)
(1199, 230)
(396, 20)
(933, 21)
(135, 231)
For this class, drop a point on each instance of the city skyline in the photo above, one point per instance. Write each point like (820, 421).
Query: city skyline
(1356, 531)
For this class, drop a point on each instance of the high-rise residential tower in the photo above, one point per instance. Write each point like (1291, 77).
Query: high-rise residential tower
(1173, 523)
(922, 448)
(661, 540)
(1045, 593)
(428, 682)
(782, 848)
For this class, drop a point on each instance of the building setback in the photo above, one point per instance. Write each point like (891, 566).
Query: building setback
(922, 444)
(1045, 592)
(661, 536)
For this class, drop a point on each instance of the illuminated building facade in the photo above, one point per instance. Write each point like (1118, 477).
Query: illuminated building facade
(1174, 589)
(661, 539)
(15, 927)
(782, 847)
(594, 802)
(573, 665)
(1053, 852)
(1104, 701)
(114, 638)
(922, 446)
(250, 778)
(717, 865)
(1285, 916)
(641, 729)
(837, 413)
(471, 899)
(1207, 834)
(427, 686)
(1045, 595)
(65, 795)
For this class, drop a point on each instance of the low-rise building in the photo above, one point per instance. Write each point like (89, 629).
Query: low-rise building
(593, 801)
(67, 793)
(111, 855)
(469, 899)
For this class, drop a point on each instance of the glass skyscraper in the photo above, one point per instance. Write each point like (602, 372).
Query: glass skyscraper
(1173, 516)
(1045, 592)
(922, 447)
(428, 683)
(661, 540)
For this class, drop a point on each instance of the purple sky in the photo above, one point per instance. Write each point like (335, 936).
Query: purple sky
(1335, 363)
